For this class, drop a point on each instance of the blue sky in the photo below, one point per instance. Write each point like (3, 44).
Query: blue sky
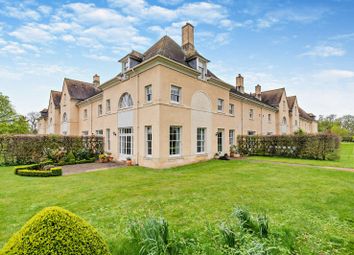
(305, 46)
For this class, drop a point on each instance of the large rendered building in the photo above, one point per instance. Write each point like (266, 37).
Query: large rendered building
(166, 108)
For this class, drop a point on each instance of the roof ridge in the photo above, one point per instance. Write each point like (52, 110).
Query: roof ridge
(273, 89)
(78, 80)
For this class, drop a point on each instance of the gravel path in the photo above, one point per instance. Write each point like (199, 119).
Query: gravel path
(90, 167)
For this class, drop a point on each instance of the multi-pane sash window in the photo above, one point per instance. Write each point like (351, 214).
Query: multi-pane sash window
(148, 141)
(175, 94)
(232, 109)
(220, 140)
(99, 132)
(251, 114)
(231, 137)
(148, 93)
(269, 117)
(85, 114)
(126, 141)
(220, 105)
(108, 105)
(85, 133)
(201, 140)
(99, 110)
(108, 139)
(175, 140)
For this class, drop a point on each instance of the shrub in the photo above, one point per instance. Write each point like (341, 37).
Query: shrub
(319, 146)
(56, 231)
(54, 171)
(348, 139)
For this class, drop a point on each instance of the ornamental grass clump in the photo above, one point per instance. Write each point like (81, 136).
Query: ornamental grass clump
(56, 231)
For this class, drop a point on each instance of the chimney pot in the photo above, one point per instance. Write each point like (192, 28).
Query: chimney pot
(240, 83)
(96, 80)
(258, 92)
(188, 38)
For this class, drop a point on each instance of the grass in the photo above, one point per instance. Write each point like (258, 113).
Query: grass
(314, 204)
(346, 158)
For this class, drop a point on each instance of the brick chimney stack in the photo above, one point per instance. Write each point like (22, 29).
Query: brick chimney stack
(96, 80)
(188, 38)
(258, 92)
(240, 84)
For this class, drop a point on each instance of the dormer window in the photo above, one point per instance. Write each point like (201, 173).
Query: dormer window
(125, 65)
(202, 68)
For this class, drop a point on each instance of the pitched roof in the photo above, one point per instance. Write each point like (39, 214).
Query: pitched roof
(304, 114)
(44, 113)
(168, 48)
(81, 90)
(250, 97)
(291, 102)
(56, 95)
(272, 97)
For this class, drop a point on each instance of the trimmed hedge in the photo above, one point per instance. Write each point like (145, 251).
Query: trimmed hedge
(28, 149)
(56, 231)
(348, 139)
(319, 146)
(55, 171)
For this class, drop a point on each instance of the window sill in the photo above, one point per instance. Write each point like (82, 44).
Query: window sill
(175, 157)
(174, 102)
(201, 154)
(148, 157)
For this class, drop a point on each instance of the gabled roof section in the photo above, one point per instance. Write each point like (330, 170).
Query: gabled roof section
(272, 97)
(80, 90)
(44, 113)
(304, 115)
(291, 101)
(56, 95)
(134, 55)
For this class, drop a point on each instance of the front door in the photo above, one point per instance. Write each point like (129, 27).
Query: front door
(125, 143)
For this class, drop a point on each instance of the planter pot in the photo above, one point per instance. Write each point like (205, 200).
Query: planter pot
(237, 155)
(232, 154)
(129, 162)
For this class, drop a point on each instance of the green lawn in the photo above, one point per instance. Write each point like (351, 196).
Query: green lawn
(346, 158)
(315, 204)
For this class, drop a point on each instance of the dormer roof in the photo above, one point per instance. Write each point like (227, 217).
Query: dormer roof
(56, 96)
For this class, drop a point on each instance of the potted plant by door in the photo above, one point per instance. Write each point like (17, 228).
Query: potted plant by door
(233, 150)
(129, 162)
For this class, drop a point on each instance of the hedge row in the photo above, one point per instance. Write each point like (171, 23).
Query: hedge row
(27, 149)
(348, 139)
(55, 171)
(319, 146)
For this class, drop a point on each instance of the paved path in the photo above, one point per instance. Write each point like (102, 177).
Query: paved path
(305, 165)
(89, 167)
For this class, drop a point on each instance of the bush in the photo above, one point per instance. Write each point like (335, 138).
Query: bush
(56, 231)
(348, 139)
(29, 149)
(25, 171)
(319, 146)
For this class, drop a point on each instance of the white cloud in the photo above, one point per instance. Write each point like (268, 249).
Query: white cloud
(20, 11)
(170, 2)
(325, 51)
(33, 32)
(16, 48)
(45, 9)
(334, 74)
(274, 17)
(100, 58)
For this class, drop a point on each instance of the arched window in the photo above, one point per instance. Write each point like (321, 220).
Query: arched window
(125, 101)
(65, 117)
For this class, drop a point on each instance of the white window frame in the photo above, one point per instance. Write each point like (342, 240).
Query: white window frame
(99, 132)
(251, 132)
(175, 92)
(148, 141)
(220, 138)
(232, 109)
(108, 105)
(201, 140)
(85, 133)
(85, 114)
(251, 114)
(269, 118)
(99, 110)
(232, 137)
(125, 101)
(202, 68)
(124, 133)
(220, 105)
(148, 93)
(175, 146)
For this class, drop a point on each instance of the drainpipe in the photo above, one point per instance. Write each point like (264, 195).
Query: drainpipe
(137, 116)
(242, 117)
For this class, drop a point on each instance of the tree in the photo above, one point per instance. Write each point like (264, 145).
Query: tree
(10, 121)
(347, 122)
(32, 119)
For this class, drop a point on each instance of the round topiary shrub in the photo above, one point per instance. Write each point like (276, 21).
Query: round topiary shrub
(56, 231)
